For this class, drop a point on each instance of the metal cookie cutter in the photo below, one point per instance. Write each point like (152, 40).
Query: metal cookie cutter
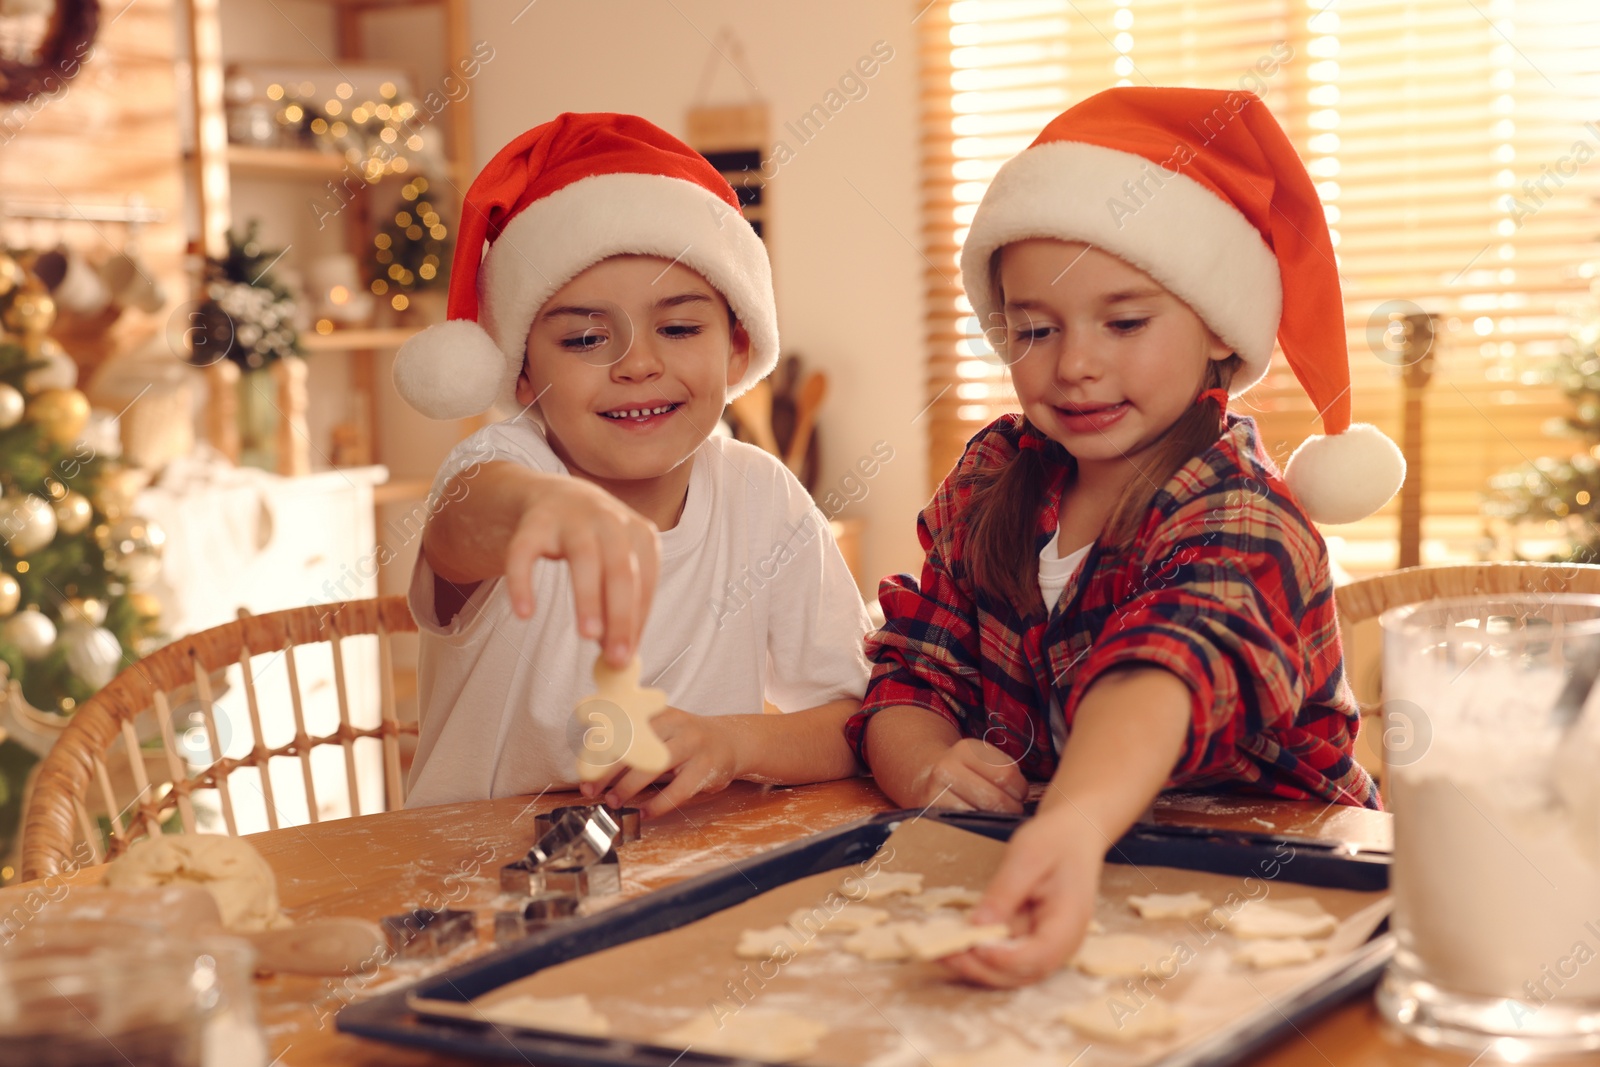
(580, 834)
(573, 841)
(583, 879)
(541, 911)
(627, 819)
(423, 933)
(630, 821)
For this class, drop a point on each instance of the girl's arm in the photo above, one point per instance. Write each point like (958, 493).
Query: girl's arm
(1129, 733)
(921, 760)
(501, 517)
(709, 751)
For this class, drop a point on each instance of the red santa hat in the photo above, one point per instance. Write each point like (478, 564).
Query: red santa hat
(1201, 190)
(558, 199)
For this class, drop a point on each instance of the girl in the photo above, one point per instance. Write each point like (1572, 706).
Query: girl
(1121, 594)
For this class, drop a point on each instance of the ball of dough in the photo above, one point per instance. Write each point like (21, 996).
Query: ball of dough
(230, 869)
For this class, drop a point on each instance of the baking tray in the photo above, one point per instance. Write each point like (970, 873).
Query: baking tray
(1304, 861)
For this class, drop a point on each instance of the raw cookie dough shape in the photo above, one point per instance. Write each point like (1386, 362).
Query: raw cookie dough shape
(1170, 905)
(615, 720)
(882, 884)
(850, 919)
(754, 1034)
(879, 942)
(938, 938)
(1006, 1052)
(229, 868)
(1119, 955)
(1296, 918)
(568, 1015)
(1112, 1019)
(1264, 955)
(772, 941)
(948, 896)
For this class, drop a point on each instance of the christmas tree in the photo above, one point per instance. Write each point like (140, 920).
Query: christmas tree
(71, 552)
(1560, 498)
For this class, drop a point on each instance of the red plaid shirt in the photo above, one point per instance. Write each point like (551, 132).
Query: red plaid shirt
(1226, 585)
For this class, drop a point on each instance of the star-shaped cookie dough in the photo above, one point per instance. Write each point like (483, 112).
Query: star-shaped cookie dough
(616, 724)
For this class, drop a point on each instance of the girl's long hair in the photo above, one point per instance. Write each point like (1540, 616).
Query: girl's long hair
(1003, 510)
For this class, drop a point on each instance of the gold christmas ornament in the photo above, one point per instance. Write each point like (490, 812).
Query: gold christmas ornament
(12, 405)
(11, 274)
(87, 610)
(118, 486)
(73, 513)
(31, 312)
(145, 605)
(60, 413)
(134, 549)
(10, 595)
(27, 523)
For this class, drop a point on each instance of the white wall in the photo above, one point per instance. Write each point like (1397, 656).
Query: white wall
(844, 215)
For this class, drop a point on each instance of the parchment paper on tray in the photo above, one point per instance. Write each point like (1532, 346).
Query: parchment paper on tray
(889, 1014)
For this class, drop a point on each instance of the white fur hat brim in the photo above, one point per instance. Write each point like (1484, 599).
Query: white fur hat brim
(446, 370)
(1190, 240)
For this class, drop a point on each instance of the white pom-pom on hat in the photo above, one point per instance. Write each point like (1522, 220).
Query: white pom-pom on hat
(451, 370)
(1346, 476)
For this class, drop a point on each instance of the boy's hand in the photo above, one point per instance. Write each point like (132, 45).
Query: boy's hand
(705, 758)
(613, 553)
(1045, 890)
(971, 774)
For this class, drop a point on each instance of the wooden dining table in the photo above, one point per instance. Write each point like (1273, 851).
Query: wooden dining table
(450, 855)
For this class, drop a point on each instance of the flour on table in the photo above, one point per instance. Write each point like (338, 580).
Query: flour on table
(1293, 918)
(938, 938)
(772, 941)
(947, 896)
(1118, 955)
(847, 920)
(1111, 1019)
(1170, 905)
(752, 1034)
(1006, 1052)
(1266, 954)
(571, 1015)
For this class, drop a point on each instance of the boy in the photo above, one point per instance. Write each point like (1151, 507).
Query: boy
(622, 300)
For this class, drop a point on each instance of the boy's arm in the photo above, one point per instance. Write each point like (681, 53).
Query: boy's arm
(503, 517)
(710, 751)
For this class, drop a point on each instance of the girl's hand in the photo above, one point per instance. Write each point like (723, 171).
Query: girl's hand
(1045, 890)
(705, 757)
(971, 774)
(613, 552)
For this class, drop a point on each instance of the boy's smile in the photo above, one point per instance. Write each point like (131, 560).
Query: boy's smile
(630, 364)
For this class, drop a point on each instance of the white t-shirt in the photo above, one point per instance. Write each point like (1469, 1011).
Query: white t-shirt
(753, 600)
(1054, 574)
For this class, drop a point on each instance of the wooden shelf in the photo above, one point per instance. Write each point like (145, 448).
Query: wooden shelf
(356, 340)
(285, 162)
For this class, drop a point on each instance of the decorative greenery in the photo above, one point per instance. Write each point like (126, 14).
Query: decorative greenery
(373, 134)
(70, 568)
(1562, 496)
(248, 313)
(410, 250)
